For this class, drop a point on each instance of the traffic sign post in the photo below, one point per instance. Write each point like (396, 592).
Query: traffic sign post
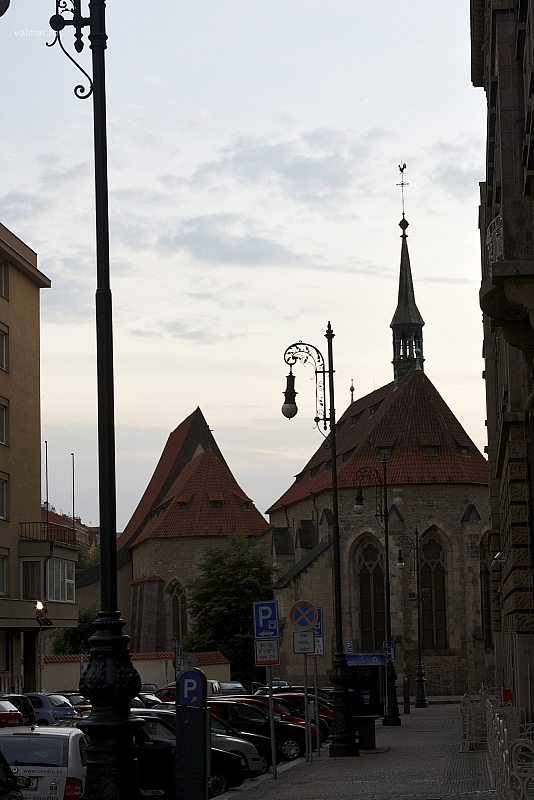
(318, 627)
(192, 735)
(303, 615)
(267, 652)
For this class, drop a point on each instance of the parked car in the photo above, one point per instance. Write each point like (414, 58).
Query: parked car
(54, 759)
(220, 739)
(77, 701)
(260, 742)
(286, 712)
(294, 701)
(10, 716)
(245, 717)
(322, 694)
(10, 784)
(168, 693)
(232, 687)
(50, 707)
(22, 704)
(144, 701)
(149, 688)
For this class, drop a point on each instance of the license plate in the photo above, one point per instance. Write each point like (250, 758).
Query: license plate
(12, 722)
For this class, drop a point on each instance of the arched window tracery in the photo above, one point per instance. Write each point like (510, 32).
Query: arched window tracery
(433, 584)
(371, 596)
(178, 603)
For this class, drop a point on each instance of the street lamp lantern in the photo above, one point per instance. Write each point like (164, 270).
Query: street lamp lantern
(289, 409)
(342, 736)
(400, 560)
(358, 505)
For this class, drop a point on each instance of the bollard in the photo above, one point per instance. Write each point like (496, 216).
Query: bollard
(406, 693)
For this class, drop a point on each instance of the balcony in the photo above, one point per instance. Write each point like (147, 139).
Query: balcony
(45, 532)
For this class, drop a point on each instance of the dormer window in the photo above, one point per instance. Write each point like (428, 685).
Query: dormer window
(216, 504)
(430, 450)
(328, 465)
(184, 505)
(354, 419)
(466, 452)
(314, 470)
(245, 504)
(374, 409)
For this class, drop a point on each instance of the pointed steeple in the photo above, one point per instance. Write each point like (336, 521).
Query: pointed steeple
(407, 322)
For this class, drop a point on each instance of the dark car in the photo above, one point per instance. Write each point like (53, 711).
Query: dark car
(295, 701)
(290, 738)
(261, 743)
(10, 785)
(22, 704)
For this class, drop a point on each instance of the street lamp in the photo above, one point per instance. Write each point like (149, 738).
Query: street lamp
(342, 736)
(392, 717)
(420, 693)
(110, 681)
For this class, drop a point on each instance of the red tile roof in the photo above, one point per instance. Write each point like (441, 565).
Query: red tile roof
(404, 420)
(186, 509)
(203, 659)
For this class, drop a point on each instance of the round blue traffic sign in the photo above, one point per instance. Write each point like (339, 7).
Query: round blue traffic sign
(303, 615)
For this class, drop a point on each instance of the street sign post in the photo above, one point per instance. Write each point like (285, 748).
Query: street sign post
(192, 735)
(349, 647)
(266, 620)
(319, 648)
(303, 615)
(318, 627)
(303, 642)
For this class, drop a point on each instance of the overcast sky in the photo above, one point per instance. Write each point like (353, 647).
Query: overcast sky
(253, 151)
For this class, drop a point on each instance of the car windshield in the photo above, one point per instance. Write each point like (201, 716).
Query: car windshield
(58, 701)
(5, 705)
(78, 699)
(217, 726)
(36, 749)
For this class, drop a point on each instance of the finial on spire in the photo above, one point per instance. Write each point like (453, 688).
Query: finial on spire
(352, 390)
(402, 184)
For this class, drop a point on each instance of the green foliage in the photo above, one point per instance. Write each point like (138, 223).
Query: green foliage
(88, 557)
(232, 577)
(66, 641)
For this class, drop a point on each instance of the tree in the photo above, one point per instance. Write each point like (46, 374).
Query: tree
(232, 577)
(88, 556)
(76, 640)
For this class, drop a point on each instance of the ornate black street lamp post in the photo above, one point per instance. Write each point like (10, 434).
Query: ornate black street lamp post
(342, 736)
(392, 716)
(110, 681)
(420, 693)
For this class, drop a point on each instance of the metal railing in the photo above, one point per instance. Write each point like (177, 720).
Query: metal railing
(510, 751)
(473, 719)
(42, 531)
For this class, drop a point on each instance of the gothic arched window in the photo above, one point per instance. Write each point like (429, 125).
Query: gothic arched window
(371, 595)
(178, 613)
(434, 604)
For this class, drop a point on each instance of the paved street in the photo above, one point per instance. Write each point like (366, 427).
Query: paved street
(423, 761)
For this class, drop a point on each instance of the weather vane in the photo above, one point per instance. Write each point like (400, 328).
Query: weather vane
(402, 184)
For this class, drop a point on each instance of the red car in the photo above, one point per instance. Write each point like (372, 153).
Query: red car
(9, 716)
(77, 701)
(283, 711)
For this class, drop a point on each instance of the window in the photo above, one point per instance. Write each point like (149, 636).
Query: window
(354, 419)
(3, 498)
(216, 504)
(3, 575)
(374, 409)
(178, 613)
(327, 466)
(371, 591)
(430, 449)
(61, 580)
(3, 421)
(466, 452)
(3, 279)
(315, 470)
(32, 584)
(3, 347)
(433, 579)
(184, 505)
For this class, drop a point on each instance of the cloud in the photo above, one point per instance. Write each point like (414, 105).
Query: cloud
(72, 297)
(18, 206)
(189, 330)
(459, 168)
(209, 238)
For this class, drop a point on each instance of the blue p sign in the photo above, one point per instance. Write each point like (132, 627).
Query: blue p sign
(192, 688)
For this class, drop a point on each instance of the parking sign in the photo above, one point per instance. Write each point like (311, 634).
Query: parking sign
(266, 620)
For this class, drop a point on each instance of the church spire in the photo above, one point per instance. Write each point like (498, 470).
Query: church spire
(407, 323)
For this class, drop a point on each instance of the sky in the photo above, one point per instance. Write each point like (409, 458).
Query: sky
(253, 168)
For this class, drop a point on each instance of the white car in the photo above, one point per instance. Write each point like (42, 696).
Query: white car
(53, 758)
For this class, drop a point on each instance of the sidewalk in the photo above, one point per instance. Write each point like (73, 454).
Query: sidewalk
(423, 763)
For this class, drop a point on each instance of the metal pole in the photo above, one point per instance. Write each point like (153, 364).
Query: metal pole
(110, 681)
(73, 522)
(343, 738)
(392, 717)
(420, 680)
(307, 725)
(271, 721)
(316, 688)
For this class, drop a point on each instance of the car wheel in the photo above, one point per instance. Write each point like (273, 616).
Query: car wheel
(291, 749)
(216, 784)
(42, 722)
(264, 767)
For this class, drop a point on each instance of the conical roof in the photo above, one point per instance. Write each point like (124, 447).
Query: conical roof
(407, 312)
(413, 426)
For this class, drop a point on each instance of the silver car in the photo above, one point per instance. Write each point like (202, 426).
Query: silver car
(53, 758)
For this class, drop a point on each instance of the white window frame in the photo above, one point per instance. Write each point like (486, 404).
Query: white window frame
(4, 515)
(60, 580)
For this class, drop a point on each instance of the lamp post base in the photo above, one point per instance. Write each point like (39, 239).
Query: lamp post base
(392, 718)
(421, 700)
(342, 735)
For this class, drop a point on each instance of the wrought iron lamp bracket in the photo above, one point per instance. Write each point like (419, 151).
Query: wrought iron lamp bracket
(405, 540)
(303, 352)
(366, 475)
(58, 22)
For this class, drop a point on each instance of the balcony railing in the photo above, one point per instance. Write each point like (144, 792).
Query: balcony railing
(45, 532)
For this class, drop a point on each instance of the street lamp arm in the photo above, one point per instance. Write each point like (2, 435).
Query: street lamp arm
(370, 475)
(58, 23)
(303, 352)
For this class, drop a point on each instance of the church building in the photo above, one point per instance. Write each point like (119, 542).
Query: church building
(191, 501)
(437, 482)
